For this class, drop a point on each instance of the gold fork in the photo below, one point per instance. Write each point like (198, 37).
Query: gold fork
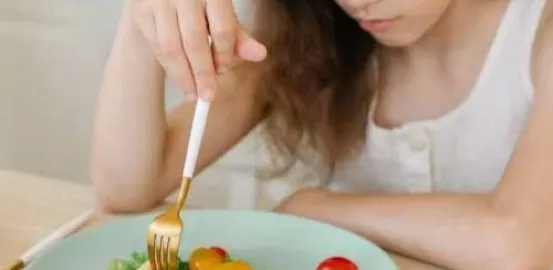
(165, 231)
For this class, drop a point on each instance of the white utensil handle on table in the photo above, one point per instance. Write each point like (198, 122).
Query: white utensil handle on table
(195, 140)
(58, 235)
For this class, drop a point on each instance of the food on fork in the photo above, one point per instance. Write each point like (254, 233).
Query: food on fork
(216, 258)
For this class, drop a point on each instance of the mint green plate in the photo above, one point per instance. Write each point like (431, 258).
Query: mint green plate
(267, 240)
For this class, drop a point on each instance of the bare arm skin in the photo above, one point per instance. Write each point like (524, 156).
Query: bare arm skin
(138, 150)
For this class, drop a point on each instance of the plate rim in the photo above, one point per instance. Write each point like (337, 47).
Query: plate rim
(134, 218)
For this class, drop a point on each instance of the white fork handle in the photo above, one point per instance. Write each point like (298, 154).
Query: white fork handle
(57, 236)
(195, 140)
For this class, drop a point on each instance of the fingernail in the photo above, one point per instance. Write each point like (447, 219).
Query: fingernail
(207, 94)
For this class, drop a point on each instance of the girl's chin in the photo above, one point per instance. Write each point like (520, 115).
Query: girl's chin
(395, 41)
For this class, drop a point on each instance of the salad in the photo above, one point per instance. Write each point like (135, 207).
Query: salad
(216, 258)
(212, 258)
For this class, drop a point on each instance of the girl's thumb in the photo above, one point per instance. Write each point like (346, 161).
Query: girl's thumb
(249, 49)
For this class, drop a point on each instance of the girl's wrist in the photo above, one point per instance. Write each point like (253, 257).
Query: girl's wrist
(130, 40)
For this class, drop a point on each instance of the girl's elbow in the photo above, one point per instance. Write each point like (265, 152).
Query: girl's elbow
(521, 247)
(116, 203)
(521, 261)
(115, 195)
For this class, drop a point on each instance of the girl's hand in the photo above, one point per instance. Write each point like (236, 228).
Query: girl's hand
(178, 32)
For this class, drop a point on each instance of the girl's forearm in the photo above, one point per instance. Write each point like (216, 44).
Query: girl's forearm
(458, 231)
(129, 124)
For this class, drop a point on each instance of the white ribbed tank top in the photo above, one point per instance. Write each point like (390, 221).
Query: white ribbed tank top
(467, 149)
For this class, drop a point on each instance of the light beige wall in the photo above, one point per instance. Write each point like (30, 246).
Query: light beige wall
(52, 53)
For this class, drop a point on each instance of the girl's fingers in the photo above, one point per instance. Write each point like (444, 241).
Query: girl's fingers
(223, 28)
(171, 52)
(248, 48)
(194, 35)
(178, 32)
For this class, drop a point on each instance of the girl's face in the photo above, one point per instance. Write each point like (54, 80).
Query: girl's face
(395, 23)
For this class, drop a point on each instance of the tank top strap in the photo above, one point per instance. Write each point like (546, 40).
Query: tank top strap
(533, 11)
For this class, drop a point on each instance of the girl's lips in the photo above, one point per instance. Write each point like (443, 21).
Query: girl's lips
(377, 25)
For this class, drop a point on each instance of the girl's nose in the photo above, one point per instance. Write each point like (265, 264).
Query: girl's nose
(361, 4)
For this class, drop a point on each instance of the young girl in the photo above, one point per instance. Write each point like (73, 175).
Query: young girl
(433, 117)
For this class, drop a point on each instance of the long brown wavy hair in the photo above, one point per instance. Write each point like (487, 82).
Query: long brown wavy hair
(315, 87)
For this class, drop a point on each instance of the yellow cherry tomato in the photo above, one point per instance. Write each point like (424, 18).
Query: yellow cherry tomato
(204, 259)
(233, 265)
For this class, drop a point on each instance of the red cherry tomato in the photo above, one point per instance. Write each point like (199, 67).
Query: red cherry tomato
(223, 253)
(337, 263)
